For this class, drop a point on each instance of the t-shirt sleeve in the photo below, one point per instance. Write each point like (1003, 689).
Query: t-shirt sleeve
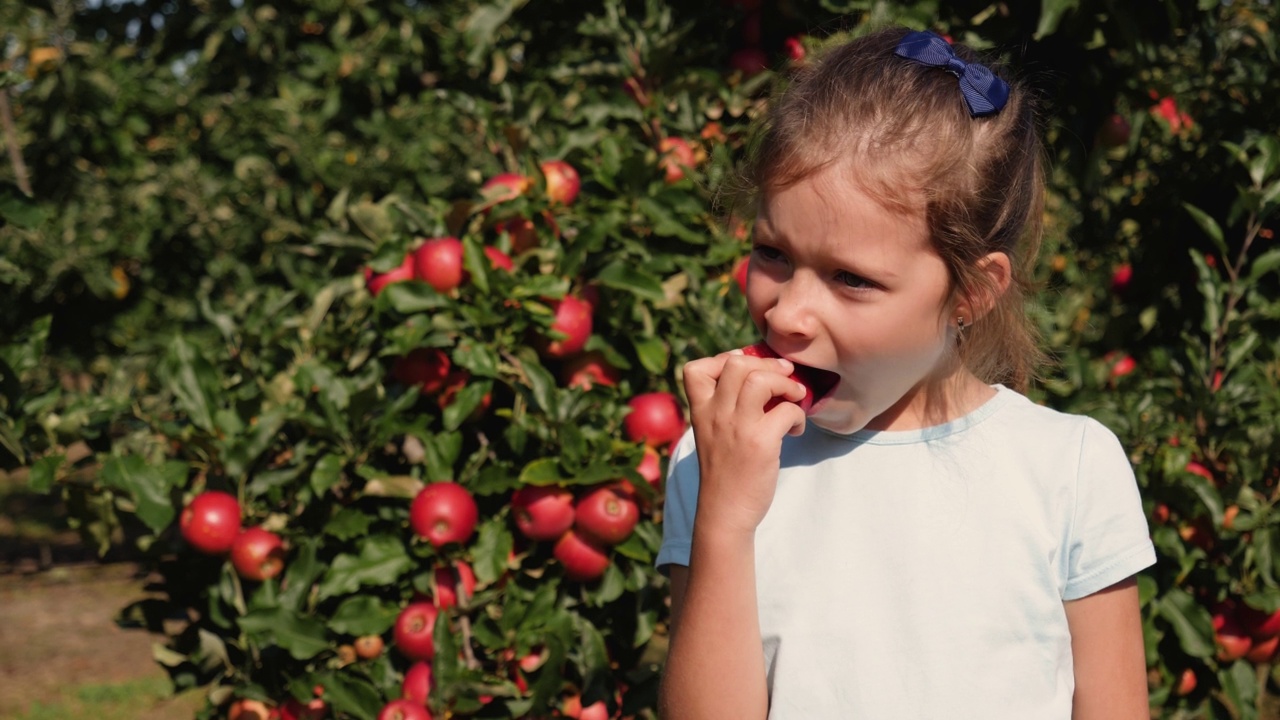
(1109, 538)
(680, 506)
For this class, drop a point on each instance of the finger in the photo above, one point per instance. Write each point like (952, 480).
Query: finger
(789, 419)
(738, 367)
(761, 386)
(701, 377)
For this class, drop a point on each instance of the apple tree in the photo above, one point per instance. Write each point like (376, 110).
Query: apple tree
(362, 325)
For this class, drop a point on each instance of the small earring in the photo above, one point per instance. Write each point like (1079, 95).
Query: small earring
(960, 323)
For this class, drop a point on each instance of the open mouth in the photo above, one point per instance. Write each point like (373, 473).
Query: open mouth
(818, 383)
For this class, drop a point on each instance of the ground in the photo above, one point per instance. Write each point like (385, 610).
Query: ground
(63, 656)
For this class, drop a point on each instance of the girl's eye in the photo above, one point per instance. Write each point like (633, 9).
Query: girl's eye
(856, 282)
(765, 252)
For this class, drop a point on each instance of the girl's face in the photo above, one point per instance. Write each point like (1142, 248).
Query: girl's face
(840, 283)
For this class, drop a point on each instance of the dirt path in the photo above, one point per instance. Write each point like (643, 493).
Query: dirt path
(57, 631)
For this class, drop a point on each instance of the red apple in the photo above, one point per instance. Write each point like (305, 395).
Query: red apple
(676, 155)
(257, 554)
(762, 350)
(1233, 642)
(1114, 131)
(1186, 682)
(534, 658)
(1121, 364)
(606, 515)
(1196, 468)
(403, 710)
(375, 282)
(438, 262)
(655, 418)
(498, 259)
(443, 513)
(247, 709)
(573, 319)
(449, 579)
(595, 711)
(419, 681)
(294, 709)
(583, 558)
(428, 368)
(1263, 650)
(1260, 624)
(505, 186)
(562, 181)
(542, 513)
(588, 370)
(650, 467)
(1121, 277)
(413, 631)
(211, 522)
(749, 61)
(523, 235)
(794, 46)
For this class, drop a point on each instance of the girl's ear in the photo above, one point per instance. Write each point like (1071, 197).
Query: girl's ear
(997, 274)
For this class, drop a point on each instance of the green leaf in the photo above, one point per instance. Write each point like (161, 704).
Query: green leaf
(148, 486)
(1209, 226)
(1051, 12)
(634, 548)
(364, 615)
(1265, 263)
(466, 402)
(408, 298)
(541, 384)
(301, 573)
(302, 636)
(489, 553)
(543, 471)
(17, 208)
(626, 276)
(327, 473)
(1190, 622)
(44, 473)
(349, 694)
(664, 224)
(382, 560)
(653, 353)
(348, 523)
(193, 382)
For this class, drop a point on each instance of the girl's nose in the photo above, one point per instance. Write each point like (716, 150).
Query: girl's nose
(792, 311)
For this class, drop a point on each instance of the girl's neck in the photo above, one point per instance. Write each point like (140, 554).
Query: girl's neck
(935, 401)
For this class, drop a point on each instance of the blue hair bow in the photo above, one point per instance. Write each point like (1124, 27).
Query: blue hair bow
(984, 93)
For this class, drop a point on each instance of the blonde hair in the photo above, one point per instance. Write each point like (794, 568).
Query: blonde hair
(906, 133)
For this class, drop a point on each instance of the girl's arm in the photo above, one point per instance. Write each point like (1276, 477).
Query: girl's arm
(1110, 661)
(715, 666)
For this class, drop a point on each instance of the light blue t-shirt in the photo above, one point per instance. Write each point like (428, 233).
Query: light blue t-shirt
(922, 573)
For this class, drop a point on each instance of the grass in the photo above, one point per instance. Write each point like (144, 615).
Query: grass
(126, 700)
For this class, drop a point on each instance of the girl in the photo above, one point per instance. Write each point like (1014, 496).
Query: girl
(923, 541)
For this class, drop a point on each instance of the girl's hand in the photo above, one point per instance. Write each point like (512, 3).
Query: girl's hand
(739, 443)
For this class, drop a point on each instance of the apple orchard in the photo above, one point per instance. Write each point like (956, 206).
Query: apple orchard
(360, 327)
